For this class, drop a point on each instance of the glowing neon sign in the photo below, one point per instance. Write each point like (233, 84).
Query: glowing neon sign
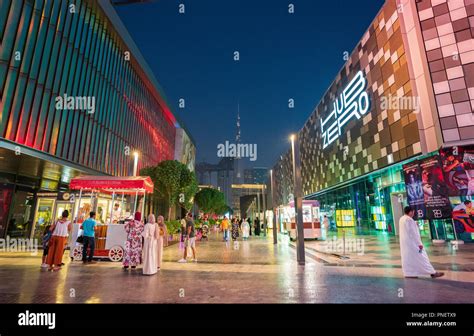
(352, 102)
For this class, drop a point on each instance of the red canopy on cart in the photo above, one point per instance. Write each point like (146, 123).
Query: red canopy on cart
(121, 184)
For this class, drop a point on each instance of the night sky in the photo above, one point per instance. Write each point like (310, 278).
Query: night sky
(282, 56)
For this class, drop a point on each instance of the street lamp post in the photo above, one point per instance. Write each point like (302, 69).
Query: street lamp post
(298, 199)
(135, 163)
(264, 194)
(258, 209)
(275, 238)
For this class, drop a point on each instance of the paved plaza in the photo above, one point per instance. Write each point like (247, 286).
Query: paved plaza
(382, 250)
(254, 271)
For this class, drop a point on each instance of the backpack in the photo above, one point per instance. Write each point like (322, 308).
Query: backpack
(46, 238)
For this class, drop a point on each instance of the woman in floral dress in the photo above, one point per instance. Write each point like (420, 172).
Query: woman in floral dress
(133, 245)
(235, 229)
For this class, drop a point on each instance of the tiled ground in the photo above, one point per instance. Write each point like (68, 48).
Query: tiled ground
(255, 272)
(383, 251)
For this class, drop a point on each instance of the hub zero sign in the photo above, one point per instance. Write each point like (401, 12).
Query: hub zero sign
(352, 102)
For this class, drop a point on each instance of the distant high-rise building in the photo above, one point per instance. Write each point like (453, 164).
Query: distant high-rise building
(257, 175)
(238, 175)
(219, 176)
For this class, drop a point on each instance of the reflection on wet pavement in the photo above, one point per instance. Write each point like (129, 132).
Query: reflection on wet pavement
(255, 271)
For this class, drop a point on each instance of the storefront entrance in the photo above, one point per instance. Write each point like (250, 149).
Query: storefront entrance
(44, 216)
(6, 197)
(371, 205)
(20, 221)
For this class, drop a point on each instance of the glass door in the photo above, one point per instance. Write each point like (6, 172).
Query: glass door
(43, 217)
(19, 222)
(6, 196)
(60, 207)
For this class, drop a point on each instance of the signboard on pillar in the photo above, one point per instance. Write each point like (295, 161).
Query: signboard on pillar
(429, 175)
(435, 189)
(414, 188)
(458, 168)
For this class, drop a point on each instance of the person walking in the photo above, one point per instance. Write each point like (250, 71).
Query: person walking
(60, 231)
(245, 229)
(183, 229)
(250, 226)
(133, 245)
(205, 228)
(326, 223)
(45, 240)
(257, 226)
(415, 261)
(235, 229)
(190, 241)
(162, 240)
(150, 246)
(225, 228)
(88, 227)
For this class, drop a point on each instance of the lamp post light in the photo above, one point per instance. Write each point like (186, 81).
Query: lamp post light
(275, 238)
(135, 163)
(258, 210)
(264, 196)
(298, 199)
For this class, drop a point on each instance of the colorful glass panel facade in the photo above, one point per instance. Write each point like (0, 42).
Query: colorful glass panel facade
(49, 50)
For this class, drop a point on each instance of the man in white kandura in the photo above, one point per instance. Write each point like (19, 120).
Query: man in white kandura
(415, 261)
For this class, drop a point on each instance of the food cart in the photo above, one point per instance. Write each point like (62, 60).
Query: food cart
(311, 221)
(110, 237)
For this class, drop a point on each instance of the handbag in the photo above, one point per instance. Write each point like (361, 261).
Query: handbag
(80, 239)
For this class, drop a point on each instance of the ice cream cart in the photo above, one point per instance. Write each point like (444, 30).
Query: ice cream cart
(311, 222)
(110, 236)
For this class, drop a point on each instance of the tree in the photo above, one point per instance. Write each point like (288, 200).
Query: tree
(189, 190)
(210, 200)
(223, 209)
(174, 182)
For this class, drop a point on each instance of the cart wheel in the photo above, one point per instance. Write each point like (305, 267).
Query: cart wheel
(77, 253)
(116, 253)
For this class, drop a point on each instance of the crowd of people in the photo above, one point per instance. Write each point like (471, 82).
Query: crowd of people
(144, 244)
(239, 226)
(145, 241)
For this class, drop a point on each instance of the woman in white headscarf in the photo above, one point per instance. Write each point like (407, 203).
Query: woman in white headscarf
(150, 247)
(245, 229)
(162, 239)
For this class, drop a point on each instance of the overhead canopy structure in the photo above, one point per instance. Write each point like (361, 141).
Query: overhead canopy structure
(306, 202)
(117, 184)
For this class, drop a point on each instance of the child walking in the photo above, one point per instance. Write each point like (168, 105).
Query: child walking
(45, 240)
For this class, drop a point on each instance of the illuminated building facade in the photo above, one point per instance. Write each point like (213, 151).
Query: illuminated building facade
(76, 97)
(185, 149)
(256, 175)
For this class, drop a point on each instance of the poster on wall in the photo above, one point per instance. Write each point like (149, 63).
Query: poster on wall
(307, 214)
(414, 188)
(458, 168)
(463, 219)
(435, 189)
